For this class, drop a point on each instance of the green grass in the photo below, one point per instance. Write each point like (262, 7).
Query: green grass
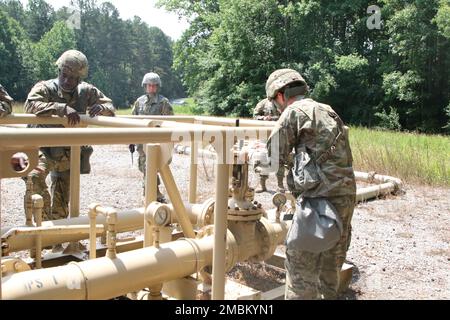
(414, 158)
(18, 107)
(188, 109)
(123, 112)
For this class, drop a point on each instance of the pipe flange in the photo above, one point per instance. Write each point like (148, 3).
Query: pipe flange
(264, 230)
(207, 215)
(205, 231)
(252, 214)
(11, 265)
(232, 254)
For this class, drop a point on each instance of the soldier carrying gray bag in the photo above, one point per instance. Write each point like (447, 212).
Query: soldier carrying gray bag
(321, 177)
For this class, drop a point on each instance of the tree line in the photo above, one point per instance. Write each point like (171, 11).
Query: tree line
(119, 51)
(387, 68)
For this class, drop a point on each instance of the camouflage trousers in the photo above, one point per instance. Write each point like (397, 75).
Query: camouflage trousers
(142, 164)
(56, 206)
(312, 276)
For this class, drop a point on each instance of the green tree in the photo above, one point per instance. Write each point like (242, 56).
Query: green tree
(41, 59)
(40, 17)
(226, 55)
(13, 44)
(14, 9)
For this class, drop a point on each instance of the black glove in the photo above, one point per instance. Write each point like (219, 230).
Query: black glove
(132, 148)
(72, 115)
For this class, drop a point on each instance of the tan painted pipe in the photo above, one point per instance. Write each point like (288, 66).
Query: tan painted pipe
(220, 230)
(153, 155)
(129, 220)
(74, 205)
(74, 192)
(386, 185)
(90, 136)
(61, 230)
(117, 122)
(23, 138)
(38, 205)
(131, 271)
(111, 221)
(29, 203)
(371, 192)
(92, 232)
(105, 278)
(33, 119)
(177, 202)
(111, 240)
(24, 119)
(182, 119)
(204, 120)
(369, 177)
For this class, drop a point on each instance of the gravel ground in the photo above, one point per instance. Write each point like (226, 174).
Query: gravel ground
(400, 244)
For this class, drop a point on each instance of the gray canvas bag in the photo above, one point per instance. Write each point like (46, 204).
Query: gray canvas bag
(316, 226)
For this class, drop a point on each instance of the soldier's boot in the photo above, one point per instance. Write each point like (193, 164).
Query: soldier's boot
(281, 185)
(263, 187)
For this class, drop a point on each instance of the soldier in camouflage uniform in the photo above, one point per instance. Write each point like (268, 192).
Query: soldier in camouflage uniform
(65, 96)
(19, 162)
(5, 102)
(265, 110)
(308, 125)
(152, 103)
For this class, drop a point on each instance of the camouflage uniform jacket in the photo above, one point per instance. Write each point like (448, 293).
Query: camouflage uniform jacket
(310, 125)
(5, 104)
(265, 108)
(156, 105)
(47, 99)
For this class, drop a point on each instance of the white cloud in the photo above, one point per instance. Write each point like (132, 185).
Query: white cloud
(145, 9)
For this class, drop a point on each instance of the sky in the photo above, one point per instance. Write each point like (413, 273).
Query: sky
(168, 22)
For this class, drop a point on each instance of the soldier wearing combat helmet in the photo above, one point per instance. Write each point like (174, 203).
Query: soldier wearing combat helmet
(151, 103)
(265, 110)
(5, 102)
(66, 96)
(322, 171)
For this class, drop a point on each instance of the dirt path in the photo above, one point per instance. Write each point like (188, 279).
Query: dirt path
(400, 245)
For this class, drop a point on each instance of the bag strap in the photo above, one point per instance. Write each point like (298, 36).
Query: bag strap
(324, 156)
(332, 148)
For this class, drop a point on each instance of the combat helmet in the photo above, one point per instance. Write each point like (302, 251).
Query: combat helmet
(75, 62)
(282, 78)
(152, 78)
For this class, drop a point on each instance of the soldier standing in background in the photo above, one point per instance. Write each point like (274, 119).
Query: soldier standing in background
(5, 102)
(151, 103)
(265, 110)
